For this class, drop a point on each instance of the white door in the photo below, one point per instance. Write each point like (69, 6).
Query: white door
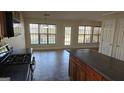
(118, 50)
(107, 36)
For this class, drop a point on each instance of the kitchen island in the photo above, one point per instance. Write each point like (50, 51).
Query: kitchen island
(89, 65)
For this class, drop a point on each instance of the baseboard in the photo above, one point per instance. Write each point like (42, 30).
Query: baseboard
(44, 49)
(60, 48)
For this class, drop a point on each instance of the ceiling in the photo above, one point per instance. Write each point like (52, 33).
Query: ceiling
(68, 15)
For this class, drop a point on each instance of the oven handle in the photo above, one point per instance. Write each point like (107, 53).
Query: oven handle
(33, 64)
(32, 67)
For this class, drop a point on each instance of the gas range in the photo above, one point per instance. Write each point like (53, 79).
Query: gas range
(19, 56)
(17, 59)
(18, 64)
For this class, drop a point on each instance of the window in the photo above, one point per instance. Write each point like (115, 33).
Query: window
(96, 34)
(42, 34)
(51, 34)
(67, 35)
(34, 33)
(84, 34)
(88, 33)
(17, 28)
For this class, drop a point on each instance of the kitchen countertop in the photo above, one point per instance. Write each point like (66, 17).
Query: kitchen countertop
(22, 51)
(16, 72)
(110, 68)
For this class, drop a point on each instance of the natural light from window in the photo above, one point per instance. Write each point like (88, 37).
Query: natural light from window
(67, 35)
(42, 34)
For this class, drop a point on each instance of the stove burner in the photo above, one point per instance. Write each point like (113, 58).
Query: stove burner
(18, 59)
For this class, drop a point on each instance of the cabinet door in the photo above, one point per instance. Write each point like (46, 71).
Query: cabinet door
(108, 29)
(76, 69)
(92, 75)
(81, 72)
(118, 49)
(1, 33)
(2, 25)
(9, 24)
(73, 69)
(0, 28)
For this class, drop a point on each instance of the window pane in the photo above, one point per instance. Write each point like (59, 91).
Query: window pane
(43, 29)
(34, 38)
(80, 38)
(52, 29)
(43, 39)
(17, 28)
(67, 35)
(33, 28)
(95, 39)
(96, 30)
(84, 34)
(42, 33)
(51, 33)
(34, 33)
(81, 29)
(88, 30)
(87, 38)
(99, 30)
(96, 34)
(51, 39)
(81, 34)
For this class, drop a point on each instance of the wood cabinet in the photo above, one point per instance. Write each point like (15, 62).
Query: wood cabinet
(9, 24)
(6, 24)
(73, 70)
(92, 75)
(2, 25)
(76, 70)
(79, 71)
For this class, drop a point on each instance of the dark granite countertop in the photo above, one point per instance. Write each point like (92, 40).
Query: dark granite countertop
(22, 51)
(16, 72)
(109, 67)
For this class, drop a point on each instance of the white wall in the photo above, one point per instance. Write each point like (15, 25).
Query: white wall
(60, 33)
(17, 41)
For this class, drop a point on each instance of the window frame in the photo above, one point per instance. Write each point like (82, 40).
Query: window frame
(65, 35)
(91, 35)
(98, 39)
(33, 33)
(85, 34)
(48, 34)
(39, 34)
